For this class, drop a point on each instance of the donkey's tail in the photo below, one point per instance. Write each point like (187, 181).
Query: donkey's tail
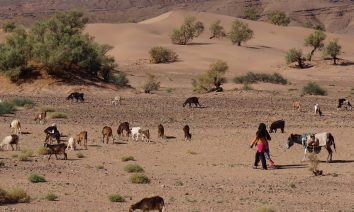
(331, 138)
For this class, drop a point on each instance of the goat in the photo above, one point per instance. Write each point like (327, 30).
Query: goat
(135, 133)
(145, 135)
(82, 137)
(77, 96)
(116, 100)
(10, 141)
(41, 118)
(106, 133)
(52, 133)
(160, 131)
(71, 144)
(15, 126)
(345, 103)
(147, 204)
(56, 149)
(192, 100)
(280, 124)
(296, 105)
(123, 127)
(187, 134)
(317, 109)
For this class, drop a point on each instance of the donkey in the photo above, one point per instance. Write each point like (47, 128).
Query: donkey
(326, 140)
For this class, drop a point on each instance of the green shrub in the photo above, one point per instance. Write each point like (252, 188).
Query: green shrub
(240, 32)
(313, 89)
(333, 49)
(27, 152)
(120, 79)
(151, 84)
(15, 195)
(279, 18)
(42, 151)
(251, 13)
(128, 158)
(139, 178)
(179, 183)
(216, 30)
(247, 87)
(80, 155)
(161, 54)
(8, 26)
(116, 198)
(133, 168)
(58, 115)
(35, 178)
(189, 30)
(251, 77)
(51, 197)
(295, 55)
(7, 108)
(21, 102)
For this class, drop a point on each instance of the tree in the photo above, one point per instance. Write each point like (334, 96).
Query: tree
(216, 30)
(189, 30)
(279, 18)
(240, 32)
(315, 40)
(212, 79)
(295, 55)
(333, 50)
(251, 13)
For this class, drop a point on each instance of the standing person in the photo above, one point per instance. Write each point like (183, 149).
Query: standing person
(262, 136)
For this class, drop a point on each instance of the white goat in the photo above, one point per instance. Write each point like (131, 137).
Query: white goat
(318, 109)
(15, 126)
(10, 140)
(135, 133)
(116, 100)
(71, 144)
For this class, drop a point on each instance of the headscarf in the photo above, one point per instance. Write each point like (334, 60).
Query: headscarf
(262, 132)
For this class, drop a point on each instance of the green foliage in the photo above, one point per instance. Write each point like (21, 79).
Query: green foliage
(139, 178)
(295, 55)
(133, 168)
(333, 50)
(51, 197)
(247, 87)
(42, 151)
(313, 89)
(22, 102)
(240, 32)
(161, 54)
(151, 84)
(8, 26)
(116, 198)
(216, 30)
(279, 18)
(251, 77)
(128, 158)
(120, 79)
(35, 178)
(15, 195)
(7, 107)
(308, 24)
(315, 40)
(212, 79)
(251, 13)
(58, 115)
(189, 30)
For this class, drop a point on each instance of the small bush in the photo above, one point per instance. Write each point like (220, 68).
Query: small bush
(35, 178)
(116, 198)
(133, 168)
(51, 197)
(216, 30)
(170, 90)
(313, 89)
(151, 84)
(264, 209)
(16, 195)
(139, 178)
(58, 115)
(80, 155)
(292, 185)
(251, 13)
(161, 54)
(42, 151)
(8, 26)
(27, 152)
(295, 55)
(22, 157)
(251, 77)
(191, 152)
(120, 79)
(22, 102)
(247, 87)
(179, 183)
(99, 167)
(128, 158)
(7, 108)
(279, 18)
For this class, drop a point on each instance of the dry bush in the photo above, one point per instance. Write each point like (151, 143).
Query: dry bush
(15, 195)
(161, 54)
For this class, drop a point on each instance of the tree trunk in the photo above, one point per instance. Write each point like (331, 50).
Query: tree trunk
(301, 65)
(311, 54)
(335, 60)
(239, 44)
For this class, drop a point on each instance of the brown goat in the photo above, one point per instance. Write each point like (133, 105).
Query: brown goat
(145, 135)
(187, 135)
(296, 105)
(56, 149)
(123, 127)
(82, 137)
(147, 204)
(106, 133)
(41, 118)
(160, 131)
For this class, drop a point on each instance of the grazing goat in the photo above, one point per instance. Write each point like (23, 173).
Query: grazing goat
(160, 131)
(345, 103)
(317, 109)
(192, 100)
(82, 137)
(77, 96)
(187, 135)
(10, 141)
(71, 144)
(145, 135)
(123, 127)
(41, 118)
(56, 149)
(147, 204)
(135, 133)
(296, 105)
(15, 126)
(280, 124)
(106, 133)
(52, 133)
(116, 100)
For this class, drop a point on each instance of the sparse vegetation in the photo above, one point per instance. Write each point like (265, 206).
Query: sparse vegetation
(313, 89)
(170, 90)
(151, 84)
(161, 54)
(35, 178)
(46, 109)
(42, 151)
(58, 115)
(116, 198)
(51, 197)
(264, 209)
(295, 55)
(100, 167)
(120, 79)
(216, 30)
(8, 26)
(128, 158)
(12, 196)
(247, 87)
(213, 79)
(292, 185)
(22, 102)
(80, 155)
(7, 107)
(279, 18)
(251, 13)
(139, 178)
(240, 32)
(189, 30)
(179, 183)
(252, 77)
(133, 168)
(333, 50)
(191, 152)
(315, 40)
